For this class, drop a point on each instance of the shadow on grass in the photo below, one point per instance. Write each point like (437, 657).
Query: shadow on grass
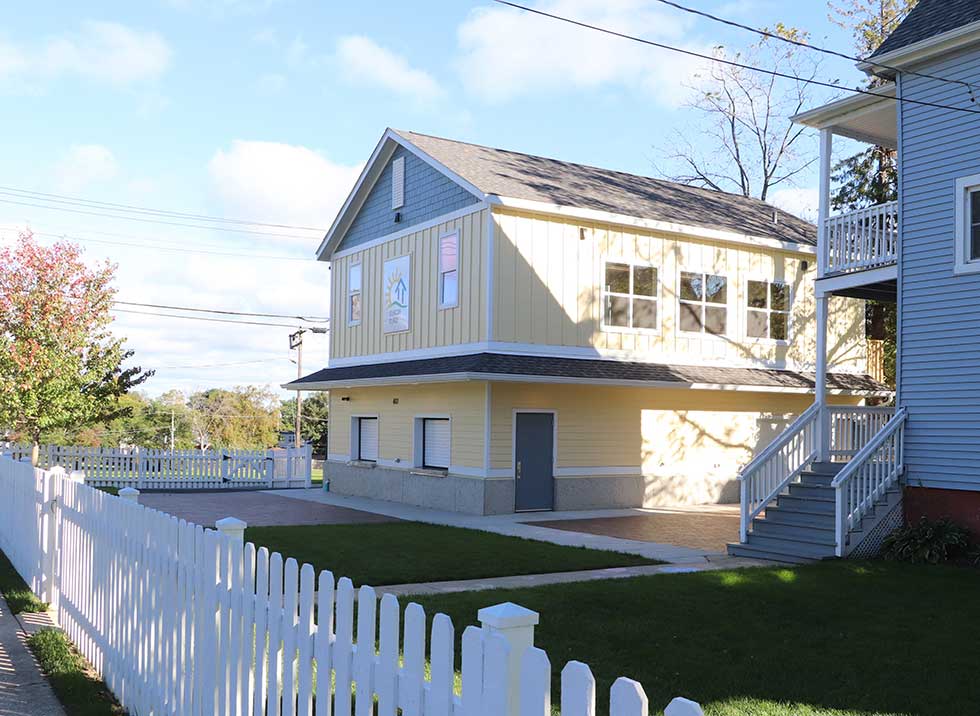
(79, 691)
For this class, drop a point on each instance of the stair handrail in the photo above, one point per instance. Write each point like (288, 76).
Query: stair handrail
(754, 496)
(852, 498)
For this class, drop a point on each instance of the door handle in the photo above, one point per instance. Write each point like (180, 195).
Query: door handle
(518, 469)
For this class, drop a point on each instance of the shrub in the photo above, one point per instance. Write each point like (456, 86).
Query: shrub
(928, 541)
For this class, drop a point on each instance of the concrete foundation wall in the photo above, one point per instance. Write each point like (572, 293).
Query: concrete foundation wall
(468, 495)
(616, 491)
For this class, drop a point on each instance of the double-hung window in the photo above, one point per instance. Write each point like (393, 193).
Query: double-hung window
(449, 270)
(703, 303)
(630, 296)
(354, 295)
(968, 224)
(768, 310)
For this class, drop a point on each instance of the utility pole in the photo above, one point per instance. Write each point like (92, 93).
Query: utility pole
(296, 343)
(172, 432)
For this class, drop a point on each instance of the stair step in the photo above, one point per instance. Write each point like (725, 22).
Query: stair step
(827, 468)
(818, 492)
(803, 533)
(817, 506)
(788, 516)
(812, 550)
(818, 479)
(744, 550)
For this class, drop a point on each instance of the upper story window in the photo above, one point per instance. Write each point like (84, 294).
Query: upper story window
(968, 224)
(354, 295)
(768, 310)
(703, 303)
(630, 296)
(449, 270)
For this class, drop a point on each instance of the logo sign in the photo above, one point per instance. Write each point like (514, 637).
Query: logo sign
(396, 284)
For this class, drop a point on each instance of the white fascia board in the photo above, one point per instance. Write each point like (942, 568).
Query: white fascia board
(697, 232)
(828, 285)
(923, 50)
(563, 380)
(849, 107)
(367, 179)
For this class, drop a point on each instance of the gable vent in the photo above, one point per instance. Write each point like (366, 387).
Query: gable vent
(398, 183)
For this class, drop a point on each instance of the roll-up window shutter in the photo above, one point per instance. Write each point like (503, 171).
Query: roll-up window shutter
(368, 439)
(436, 443)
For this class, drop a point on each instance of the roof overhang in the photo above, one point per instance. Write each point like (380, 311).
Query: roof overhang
(922, 51)
(871, 118)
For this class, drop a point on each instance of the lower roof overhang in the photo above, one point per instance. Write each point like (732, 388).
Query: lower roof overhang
(871, 117)
(877, 284)
(502, 367)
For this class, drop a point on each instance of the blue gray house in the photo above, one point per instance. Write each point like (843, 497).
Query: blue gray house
(840, 478)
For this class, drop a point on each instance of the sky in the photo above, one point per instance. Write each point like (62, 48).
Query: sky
(266, 110)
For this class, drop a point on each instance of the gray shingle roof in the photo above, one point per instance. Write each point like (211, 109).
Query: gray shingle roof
(928, 19)
(490, 364)
(525, 176)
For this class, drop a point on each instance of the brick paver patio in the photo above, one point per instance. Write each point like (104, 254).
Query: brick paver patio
(701, 530)
(258, 509)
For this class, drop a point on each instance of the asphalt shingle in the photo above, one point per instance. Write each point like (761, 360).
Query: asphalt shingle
(928, 19)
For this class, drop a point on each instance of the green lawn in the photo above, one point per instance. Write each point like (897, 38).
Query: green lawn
(833, 638)
(18, 595)
(409, 552)
(78, 689)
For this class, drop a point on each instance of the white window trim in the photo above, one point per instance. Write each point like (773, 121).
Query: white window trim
(964, 187)
(350, 293)
(418, 438)
(703, 333)
(789, 312)
(442, 303)
(355, 435)
(658, 298)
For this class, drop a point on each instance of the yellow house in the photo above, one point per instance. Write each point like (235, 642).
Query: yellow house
(511, 332)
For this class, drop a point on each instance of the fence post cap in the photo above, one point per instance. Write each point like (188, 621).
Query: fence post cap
(507, 616)
(230, 523)
(683, 707)
(129, 493)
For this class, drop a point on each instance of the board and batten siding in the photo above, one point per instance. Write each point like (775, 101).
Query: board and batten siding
(939, 356)
(429, 325)
(464, 403)
(548, 291)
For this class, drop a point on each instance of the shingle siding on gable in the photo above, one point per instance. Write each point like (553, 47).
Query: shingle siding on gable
(428, 194)
(940, 330)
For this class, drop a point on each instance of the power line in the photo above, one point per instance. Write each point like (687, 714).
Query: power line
(173, 249)
(219, 365)
(222, 311)
(61, 198)
(809, 46)
(154, 221)
(204, 318)
(731, 63)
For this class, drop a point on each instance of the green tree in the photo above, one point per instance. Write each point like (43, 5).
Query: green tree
(316, 411)
(245, 417)
(60, 366)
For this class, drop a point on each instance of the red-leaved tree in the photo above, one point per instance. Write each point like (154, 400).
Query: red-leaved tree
(60, 365)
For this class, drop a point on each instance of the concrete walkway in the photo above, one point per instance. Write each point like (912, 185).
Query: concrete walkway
(520, 525)
(540, 580)
(23, 689)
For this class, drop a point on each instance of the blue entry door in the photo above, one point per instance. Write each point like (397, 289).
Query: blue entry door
(534, 466)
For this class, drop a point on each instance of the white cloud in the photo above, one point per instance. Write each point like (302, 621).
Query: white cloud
(280, 183)
(363, 60)
(800, 202)
(83, 166)
(506, 53)
(101, 51)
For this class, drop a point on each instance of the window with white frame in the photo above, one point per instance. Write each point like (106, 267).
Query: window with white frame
(630, 296)
(768, 310)
(354, 295)
(432, 443)
(968, 224)
(703, 303)
(449, 270)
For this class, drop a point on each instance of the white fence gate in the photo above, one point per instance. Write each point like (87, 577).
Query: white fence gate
(154, 469)
(186, 621)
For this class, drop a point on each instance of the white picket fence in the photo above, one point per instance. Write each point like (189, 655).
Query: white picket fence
(155, 469)
(186, 621)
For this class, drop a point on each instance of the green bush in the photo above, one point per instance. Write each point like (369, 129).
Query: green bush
(927, 542)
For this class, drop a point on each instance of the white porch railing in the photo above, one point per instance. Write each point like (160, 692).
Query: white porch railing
(872, 471)
(851, 428)
(862, 239)
(776, 466)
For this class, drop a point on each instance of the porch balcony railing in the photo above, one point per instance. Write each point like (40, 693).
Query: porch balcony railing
(859, 240)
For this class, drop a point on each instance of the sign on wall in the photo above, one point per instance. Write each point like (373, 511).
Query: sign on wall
(397, 291)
